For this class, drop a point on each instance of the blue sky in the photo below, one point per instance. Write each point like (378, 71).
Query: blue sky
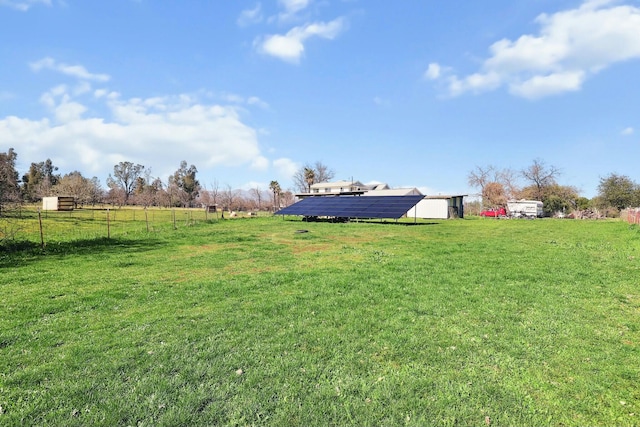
(414, 93)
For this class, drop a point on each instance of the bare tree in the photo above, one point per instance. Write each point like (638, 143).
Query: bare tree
(509, 180)
(147, 190)
(257, 195)
(286, 198)
(311, 174)
(215, 192)
(481, 176)
(204, 196)
(84, 190)
(229, 196)
(540, 176)
(496, 185)
(322, 172)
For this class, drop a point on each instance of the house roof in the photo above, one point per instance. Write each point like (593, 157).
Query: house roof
(394, 192)
(338, 184)
(446, 196)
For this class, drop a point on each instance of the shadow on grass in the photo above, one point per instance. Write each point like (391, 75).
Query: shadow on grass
(408, 224)
(19, 253)
(360, 220)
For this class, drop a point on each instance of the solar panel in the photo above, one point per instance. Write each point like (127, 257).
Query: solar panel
(353, 206)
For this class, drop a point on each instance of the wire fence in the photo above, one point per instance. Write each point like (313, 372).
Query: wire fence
(41, 226)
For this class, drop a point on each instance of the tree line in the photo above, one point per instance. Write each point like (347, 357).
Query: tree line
(134, 184)
(539, 181)
(130, 184)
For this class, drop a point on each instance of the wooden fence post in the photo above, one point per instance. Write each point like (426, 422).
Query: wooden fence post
(41, 233)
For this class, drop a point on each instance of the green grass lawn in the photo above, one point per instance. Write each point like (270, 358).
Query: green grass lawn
(250, 322)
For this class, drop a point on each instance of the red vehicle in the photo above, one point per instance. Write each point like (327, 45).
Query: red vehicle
(494, 213)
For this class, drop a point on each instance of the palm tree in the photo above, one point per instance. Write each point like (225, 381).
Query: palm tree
(275, 187)
(309, 177)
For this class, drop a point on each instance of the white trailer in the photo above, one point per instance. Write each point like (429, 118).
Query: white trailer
(525, 208)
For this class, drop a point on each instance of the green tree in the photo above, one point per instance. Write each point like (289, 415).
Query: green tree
(125, 176)
(556, 198)
(39, 180)
(582, 203)
(309, 178)
(618, 191)
(185, 182)
(275, 188)
(9, 180)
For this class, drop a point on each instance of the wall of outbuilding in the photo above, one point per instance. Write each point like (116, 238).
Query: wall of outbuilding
(438, 208)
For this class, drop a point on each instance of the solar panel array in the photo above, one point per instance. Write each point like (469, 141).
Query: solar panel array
(353, 206)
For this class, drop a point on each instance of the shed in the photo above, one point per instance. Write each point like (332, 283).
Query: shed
(58, 203)
(438, 207)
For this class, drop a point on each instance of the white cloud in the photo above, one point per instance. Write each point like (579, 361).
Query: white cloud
(77, 71)
(69, 111)
(82, 88)
(250, 16)
(570, 47)
(285, 167)
(233, 98)
(157, 132)
(260, 163)
(292, 8)
(541, 86)
(255, 101)
(23, 5)
(290, 47)
(236, 99)
(58, 101)
(628, 131)
(433, 71)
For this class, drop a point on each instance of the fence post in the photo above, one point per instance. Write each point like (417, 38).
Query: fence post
(41, 233)
(108, 225)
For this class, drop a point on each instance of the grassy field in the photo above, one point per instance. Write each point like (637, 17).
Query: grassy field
(253, 322)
